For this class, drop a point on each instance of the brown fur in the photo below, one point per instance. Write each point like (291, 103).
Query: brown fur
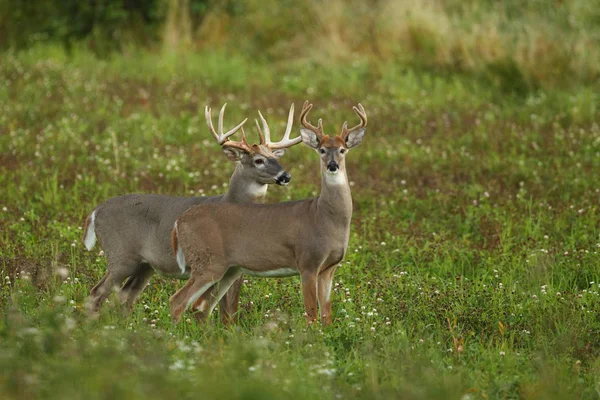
(309, 237)
(174, 241)
(135, 231)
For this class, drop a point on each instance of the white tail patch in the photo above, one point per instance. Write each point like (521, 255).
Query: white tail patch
(90, 234)
(180, 256)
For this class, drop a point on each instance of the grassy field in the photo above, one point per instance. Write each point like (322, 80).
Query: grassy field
(473, 269)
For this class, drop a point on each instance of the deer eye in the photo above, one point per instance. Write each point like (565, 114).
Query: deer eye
(342, 151)
(322, 151)
(259, 161)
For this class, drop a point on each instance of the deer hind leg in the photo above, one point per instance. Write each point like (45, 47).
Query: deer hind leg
(324, 283)
(206, 303)
(229, 304)
(135, 285)
(113, 278)
(309, 293)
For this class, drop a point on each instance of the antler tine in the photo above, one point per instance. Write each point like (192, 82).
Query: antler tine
(260, 133)
(362, 114)
(244, 145)
(266, 129)
(290, 123)
(286, 141)
(221, 114)
(305, 109)
(220, 136)
(318, 130)
(244, 141)
(209, 123)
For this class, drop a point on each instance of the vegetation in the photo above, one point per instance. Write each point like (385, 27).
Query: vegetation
(473, 268)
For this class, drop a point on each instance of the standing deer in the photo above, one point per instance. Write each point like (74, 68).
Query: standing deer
(134, 230)
(216, 243)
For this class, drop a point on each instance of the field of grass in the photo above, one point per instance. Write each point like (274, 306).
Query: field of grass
(472, 273)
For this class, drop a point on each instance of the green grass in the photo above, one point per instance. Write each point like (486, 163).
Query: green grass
(473, 267)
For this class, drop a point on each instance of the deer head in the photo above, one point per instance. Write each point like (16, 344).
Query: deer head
(260, 162)
(332, 149)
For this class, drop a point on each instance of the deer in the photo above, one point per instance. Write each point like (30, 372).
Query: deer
(216, 243)
(134, 230)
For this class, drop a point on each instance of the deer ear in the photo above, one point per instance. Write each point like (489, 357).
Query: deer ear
(355, 138)
(309, 138)
(233, 153)
(278, 153)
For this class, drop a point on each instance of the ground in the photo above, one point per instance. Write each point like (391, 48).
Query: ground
(472, 270)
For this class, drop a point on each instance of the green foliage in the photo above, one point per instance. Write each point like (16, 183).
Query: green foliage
(104, 25)
(520, 47)
(472, 270)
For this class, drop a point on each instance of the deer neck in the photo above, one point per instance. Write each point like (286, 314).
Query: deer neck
(335, 200)
(244, 189)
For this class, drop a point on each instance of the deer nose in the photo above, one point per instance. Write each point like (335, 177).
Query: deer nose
(283, 179)
(332, 166)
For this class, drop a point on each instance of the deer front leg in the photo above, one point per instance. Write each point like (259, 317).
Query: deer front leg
(325, 280)
(206, 303)
(195, 287)
(177, 302)
(309, 292)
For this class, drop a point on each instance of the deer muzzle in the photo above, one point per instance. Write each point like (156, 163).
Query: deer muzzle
(332, 166)
(283, 178)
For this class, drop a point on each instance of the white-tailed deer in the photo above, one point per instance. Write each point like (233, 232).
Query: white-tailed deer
(216, 243)
(135, 230)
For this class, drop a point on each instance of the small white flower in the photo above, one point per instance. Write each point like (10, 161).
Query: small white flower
(177, 365)
(62, 272)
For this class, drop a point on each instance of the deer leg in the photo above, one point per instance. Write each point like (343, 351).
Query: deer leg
(113, 278)
(309, 292)
(206, 303)
(325, 280)
(195, 287)
(229, 304)
(135, 285)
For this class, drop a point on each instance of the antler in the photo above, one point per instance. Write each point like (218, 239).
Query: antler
(360, 111)
(318, 130)
(283, 143)
(243, 145)
(220, 136)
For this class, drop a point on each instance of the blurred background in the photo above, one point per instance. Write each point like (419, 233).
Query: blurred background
(518, 46)
(473, 266)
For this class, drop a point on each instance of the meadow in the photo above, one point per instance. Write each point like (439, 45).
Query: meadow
(473, 269)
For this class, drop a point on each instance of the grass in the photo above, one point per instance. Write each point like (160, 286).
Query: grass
(473, 267)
